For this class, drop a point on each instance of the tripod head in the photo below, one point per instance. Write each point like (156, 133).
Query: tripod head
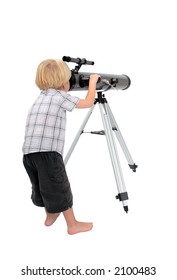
(80, 80)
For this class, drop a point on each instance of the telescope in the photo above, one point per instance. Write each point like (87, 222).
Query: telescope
(80, 80)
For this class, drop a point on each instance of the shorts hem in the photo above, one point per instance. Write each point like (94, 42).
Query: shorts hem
(39, 205)
(58, 210)
(54, 211)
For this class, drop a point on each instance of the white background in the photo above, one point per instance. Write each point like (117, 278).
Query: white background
(137, 38)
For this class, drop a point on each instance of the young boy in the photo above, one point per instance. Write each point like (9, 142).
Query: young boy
(44, 142)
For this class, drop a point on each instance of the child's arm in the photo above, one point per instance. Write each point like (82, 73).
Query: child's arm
(90, 97)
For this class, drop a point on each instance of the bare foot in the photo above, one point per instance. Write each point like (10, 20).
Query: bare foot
(51, 218)
(79, 227)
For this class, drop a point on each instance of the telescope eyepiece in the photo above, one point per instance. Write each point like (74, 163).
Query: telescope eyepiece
(66, 58)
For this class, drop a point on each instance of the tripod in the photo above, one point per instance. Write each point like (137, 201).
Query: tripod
(110, 126)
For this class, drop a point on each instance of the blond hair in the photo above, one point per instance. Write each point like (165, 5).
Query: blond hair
(52, 73)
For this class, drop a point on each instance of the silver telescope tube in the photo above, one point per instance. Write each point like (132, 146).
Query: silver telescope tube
(80, 81)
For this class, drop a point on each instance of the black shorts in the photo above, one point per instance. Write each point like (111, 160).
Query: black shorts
(50, 185)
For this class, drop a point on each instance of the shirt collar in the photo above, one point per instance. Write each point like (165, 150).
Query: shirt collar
(50, 91)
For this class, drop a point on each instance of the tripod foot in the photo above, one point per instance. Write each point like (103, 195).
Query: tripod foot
(122, 197)
(133, 167)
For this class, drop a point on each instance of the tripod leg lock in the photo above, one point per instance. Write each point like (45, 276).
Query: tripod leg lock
(122, 196)
(133, 167)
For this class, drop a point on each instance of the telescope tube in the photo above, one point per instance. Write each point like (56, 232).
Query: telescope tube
(80, 81)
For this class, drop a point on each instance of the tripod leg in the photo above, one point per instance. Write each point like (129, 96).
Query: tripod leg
(78, 134)
(122, 194)
(119, 136)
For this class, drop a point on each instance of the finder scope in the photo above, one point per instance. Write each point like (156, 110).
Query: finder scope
(80, 80)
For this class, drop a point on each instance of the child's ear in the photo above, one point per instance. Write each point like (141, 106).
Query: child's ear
(66, 86)
(62, 87)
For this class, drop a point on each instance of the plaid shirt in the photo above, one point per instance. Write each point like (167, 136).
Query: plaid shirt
(46, 122)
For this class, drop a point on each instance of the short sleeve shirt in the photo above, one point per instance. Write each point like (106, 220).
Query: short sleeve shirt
(46, 122)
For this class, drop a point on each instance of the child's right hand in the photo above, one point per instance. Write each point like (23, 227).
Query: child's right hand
(89, 99)
(94, 78)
